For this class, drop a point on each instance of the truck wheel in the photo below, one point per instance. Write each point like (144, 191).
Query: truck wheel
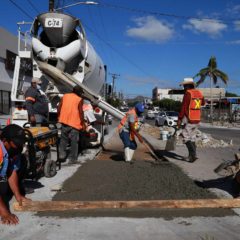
(156, 123)
(50, 168)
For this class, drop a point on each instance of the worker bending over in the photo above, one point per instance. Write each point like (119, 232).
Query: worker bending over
(128, 129)
(11, 146)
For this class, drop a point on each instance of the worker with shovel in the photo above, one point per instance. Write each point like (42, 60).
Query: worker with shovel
(128, 129)
(190, 116)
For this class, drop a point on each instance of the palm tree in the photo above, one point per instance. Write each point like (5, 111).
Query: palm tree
(214, 74)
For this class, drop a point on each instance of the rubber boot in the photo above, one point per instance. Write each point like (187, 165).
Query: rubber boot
(131, 151)
(194, 151)
(127, 154)
(190, 147)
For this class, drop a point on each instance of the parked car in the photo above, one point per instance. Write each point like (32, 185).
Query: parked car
(150, 114)
(141, 119)
(168, 118)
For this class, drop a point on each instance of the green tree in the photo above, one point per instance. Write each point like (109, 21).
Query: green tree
(115, 102)
(168, 104)
(214, 74)
(229, 94)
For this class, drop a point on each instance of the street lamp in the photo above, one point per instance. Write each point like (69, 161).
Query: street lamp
(78, 3)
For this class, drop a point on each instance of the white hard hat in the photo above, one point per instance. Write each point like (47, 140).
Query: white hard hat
(187, 80)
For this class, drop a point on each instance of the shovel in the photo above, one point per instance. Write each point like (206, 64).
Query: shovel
(151, 151)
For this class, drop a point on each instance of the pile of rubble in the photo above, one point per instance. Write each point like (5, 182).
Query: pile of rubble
(203, 139)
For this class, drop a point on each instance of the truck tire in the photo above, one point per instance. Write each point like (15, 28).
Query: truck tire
(50, 168)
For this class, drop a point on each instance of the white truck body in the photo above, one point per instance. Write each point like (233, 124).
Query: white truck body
(62, 58)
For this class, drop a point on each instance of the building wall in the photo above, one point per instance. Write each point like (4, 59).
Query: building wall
(8, 42)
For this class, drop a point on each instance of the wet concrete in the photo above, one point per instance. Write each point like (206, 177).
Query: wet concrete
(143, 180)
(109, 177)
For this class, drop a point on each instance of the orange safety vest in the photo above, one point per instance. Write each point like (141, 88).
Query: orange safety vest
(124, 119)
(69, 113)
(194, 108)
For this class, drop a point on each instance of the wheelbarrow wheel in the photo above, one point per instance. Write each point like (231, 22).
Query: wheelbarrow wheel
(50, 168)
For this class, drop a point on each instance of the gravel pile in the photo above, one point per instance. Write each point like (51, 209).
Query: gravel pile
(203, 139)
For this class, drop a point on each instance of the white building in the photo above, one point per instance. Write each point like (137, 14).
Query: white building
(160, 93)
(8, 51)
(177, 94)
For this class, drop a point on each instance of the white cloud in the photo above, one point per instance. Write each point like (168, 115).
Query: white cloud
(234, 42)
(151, 29)
(234, 10)
(143, 81)
(210, 27)
(237, 25)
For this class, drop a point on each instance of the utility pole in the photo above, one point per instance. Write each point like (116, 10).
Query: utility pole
(114, 77)
(51, 5)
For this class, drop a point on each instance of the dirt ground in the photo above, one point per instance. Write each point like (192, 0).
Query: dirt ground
(108, 177)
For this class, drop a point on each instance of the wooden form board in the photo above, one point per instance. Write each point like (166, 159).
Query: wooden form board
(38, 206)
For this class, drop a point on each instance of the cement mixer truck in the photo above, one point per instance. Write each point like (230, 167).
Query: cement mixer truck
(60, 55)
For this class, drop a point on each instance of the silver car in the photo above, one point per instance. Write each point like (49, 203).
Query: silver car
(168, 118)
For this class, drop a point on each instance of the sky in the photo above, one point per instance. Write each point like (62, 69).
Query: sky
(151, 43)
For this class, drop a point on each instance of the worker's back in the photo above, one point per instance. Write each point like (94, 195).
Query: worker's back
(69, 113)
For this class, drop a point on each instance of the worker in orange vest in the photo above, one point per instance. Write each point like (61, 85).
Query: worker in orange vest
(190, 116)
(70, 115)
(128, 129)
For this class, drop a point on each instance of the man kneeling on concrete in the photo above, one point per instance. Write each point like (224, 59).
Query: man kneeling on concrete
(128, 129)
(190, 116)
(11, 145)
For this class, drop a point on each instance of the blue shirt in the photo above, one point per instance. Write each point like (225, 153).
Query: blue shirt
(8, 164)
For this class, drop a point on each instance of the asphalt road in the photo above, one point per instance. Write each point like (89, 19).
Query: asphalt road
(224, 134)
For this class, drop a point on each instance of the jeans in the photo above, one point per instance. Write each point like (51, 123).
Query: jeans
(69, 134)
(125, 137)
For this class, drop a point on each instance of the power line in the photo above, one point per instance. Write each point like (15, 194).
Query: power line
(23, 11)
(33, 6)
(119, 53)
(167, 14)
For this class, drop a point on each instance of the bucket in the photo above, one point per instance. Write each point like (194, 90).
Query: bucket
(164, 135)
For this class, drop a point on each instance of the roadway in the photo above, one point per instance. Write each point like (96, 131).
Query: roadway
(103, 226)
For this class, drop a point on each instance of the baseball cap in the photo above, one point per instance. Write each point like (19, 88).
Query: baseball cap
(36, 80)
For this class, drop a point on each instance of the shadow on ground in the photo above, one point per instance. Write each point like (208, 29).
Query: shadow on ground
(227, 184)
(164, 153)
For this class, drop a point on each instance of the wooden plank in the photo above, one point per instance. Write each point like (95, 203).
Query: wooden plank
(37, 206)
